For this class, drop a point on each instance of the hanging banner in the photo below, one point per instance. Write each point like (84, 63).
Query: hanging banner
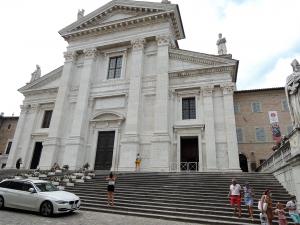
(274, 121)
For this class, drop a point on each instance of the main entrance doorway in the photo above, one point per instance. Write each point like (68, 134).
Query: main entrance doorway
(36, 155)
(189, 153)
(104, 152)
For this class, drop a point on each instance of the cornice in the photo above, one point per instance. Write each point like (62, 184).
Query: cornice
(40, 91)
(123, 24)
(200, 71)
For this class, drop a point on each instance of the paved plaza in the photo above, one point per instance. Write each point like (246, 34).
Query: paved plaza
(18, 217)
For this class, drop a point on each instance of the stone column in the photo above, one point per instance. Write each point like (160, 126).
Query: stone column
(13, 155)
(52, 143)
(160, 148)
(130, 141)
(200, 164)
(73, 155)
(232, 146)
(210, 140)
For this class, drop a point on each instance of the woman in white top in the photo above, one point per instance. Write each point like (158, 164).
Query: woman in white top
(111, 188)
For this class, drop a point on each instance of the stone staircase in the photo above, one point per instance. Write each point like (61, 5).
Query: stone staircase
(190, 197)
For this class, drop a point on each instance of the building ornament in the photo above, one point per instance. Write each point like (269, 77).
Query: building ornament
(92, 29)
(197, 72)
(227, 89)
(207, 90)
(292, 90)
(163, 40)
(90, 53)
(138, 44)
(70, 56)
(221, 43)
(36, 74)
(80, 14)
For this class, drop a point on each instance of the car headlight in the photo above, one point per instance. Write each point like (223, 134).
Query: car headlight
(61, 202)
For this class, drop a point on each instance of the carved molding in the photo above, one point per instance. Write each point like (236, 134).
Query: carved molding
(196, 72)
(90, 53)
(134, 22)
(207, 90)
(191, 59)
(138, 44)
(70, 56)
(163, 40)
(227, 89)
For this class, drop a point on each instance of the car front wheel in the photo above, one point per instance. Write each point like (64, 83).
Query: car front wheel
(1, 202)
(46, 209)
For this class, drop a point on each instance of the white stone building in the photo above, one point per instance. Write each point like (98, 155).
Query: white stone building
(127, 88)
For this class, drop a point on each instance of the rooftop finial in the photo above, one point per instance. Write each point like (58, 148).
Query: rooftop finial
(165, 1)
(36, 74)
(80, 14)
(221, 43)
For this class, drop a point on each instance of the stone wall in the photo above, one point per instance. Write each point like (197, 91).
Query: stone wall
(7, 131)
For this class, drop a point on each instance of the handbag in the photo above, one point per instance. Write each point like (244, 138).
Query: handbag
(264, 207)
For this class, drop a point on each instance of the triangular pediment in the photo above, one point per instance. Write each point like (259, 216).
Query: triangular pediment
(123, 13)
(184, 62)
(48, 81)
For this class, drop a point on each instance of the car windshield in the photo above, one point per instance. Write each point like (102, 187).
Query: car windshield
(45, 187)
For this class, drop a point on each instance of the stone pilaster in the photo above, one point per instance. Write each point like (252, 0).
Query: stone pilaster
(14, 151)
(28, 145)
(210, 140)
(52, 143)
(130, 141)
(159, 159)
(73, 155)
(232, 146)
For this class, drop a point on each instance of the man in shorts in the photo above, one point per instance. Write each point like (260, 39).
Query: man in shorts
(235, 197)
(292, 207)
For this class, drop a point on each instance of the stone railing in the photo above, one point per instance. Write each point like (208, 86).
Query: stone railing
(277, 159)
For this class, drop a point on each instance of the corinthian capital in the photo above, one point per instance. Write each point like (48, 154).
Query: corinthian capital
(163, 40)
(69, 56)
(207, 90)
(138, 44)
(227, 89)
(90, 53)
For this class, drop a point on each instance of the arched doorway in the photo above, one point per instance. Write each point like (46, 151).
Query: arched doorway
(243, 162)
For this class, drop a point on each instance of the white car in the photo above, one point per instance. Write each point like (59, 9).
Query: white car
(36, 195)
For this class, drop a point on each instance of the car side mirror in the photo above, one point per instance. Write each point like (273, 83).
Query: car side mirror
(31, 190)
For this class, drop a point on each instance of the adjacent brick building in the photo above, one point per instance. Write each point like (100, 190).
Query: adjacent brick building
(254, 134)
(7, 131)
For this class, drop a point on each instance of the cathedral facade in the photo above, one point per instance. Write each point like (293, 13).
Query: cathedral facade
(126, 88)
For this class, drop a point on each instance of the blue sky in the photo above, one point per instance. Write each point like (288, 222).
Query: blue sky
(263, 35)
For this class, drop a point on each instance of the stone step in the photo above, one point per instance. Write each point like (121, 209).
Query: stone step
(216, 204)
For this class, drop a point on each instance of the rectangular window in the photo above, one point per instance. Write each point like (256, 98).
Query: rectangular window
(285, 106)
(114, 67)
(236, 108)
(256, 107)
(260, 134)
(8, 148)
(47, 119)
(188, 108)
(239, 134)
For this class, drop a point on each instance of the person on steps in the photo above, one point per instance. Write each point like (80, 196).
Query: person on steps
(280, 214)
(138, 161)
(111, 189)
(292, 207)
(266, 198)
(235, 197)
(248, 198)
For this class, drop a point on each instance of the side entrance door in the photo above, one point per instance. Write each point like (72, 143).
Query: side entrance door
(104, 152)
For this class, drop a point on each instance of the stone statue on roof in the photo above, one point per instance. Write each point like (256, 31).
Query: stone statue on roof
(36, 74)
(80, 14)
(292, 91)
(221, 43)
